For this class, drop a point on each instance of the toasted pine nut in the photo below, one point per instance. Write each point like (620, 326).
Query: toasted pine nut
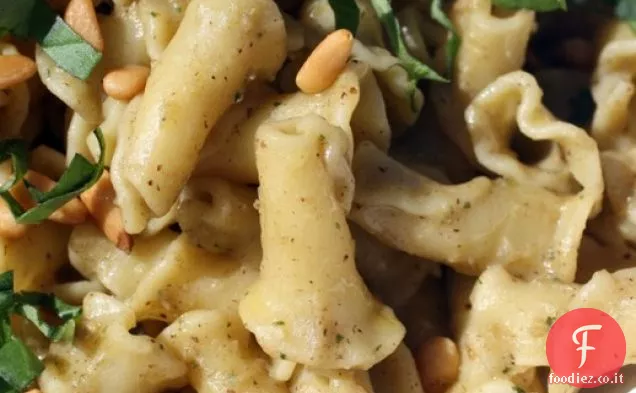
(81, 16)
(125, 83)
(15, 69)
(326, 62)
(9, 229)
(47, 161)
(34, 391)
(438, 364)
(100, 201)
(72, 213)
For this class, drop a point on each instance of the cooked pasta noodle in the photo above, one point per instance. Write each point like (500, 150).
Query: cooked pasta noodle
(218, 196)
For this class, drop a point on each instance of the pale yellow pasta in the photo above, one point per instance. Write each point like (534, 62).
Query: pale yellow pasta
(113, 111)
(161, 19)
(105, 357)
(36, 257)
(135, 213)
(491, 46)
(218, 216)
(83, 97)
(308, 380)
(178, 110)
(311, 305)
(229, 151)
(124, 36)
(165, 275)
(220, 354)
(613, 127)
(409, 211)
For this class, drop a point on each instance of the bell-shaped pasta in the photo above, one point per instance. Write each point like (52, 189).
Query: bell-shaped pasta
(491, 46)
(505, 328)
(308, 380)
(35, 257)
(124, 35)
(165, 275)
(229, 150)
(105, 357)
(614, 125)
(536, 232)
(161, 19)
(220, 354)
(502, 333)
(218, 215)
(397, 373)
(309, 302)
(178, 110)
(514, 100)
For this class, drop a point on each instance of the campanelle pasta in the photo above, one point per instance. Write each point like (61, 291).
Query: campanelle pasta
(416, 225)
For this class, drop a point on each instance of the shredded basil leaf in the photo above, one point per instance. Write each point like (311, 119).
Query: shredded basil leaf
(18, 364)
(17, 151)
(35, 19)
(416, 69)
(347, 14)
(626, 10)
(78, 177)
(535, 5)
(454, 41)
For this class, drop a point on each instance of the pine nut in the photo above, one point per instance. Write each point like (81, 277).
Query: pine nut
(81, 16)
(438, 364)
(325, 63)
(15, 69)
(125, 83)
(100, 201)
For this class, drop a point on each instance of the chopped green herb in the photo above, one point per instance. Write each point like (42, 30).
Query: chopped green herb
(453, 43)
(550, 321)
(18, 365)
(339, 338)
(416, 69)
(347, 14)
(153, 14)
(78, 177)
(279, 323)
(35, 19)
(283, 356)
(535, 5)
(626, 10)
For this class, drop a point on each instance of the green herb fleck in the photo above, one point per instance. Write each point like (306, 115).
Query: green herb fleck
(339, 338)
(283, 356)
(550, 321)
(153, 14)
(279, 323)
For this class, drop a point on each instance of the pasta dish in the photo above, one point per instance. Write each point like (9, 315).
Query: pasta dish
(311, 196)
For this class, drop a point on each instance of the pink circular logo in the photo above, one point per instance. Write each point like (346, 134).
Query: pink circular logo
(586, 348)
